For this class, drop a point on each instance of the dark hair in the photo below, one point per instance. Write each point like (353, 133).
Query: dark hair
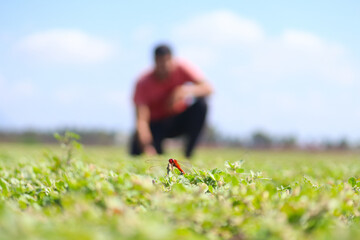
(162, 50)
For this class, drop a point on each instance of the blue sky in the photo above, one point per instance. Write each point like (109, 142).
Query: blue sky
(286, 67)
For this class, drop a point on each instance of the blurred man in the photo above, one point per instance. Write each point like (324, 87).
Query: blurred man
(170, 102)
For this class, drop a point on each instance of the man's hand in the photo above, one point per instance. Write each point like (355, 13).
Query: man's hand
(182, 93)
(149, 150)
(143, 129)
(178, 98)
(145, 139)
(144, 133)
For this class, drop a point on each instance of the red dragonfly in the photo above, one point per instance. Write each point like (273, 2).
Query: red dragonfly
(172, 163)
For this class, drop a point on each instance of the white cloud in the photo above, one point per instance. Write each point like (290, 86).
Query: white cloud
(223, 38)
(302, 39)
(200, 55)
(221, 27)
(292, 81)
(65, 46)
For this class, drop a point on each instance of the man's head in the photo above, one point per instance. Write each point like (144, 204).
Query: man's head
(163, 60)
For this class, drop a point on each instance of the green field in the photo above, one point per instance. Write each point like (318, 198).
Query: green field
(102, 193)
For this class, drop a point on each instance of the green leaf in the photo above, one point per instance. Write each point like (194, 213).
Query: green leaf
(211, 176)
(72, 135)
(210, 188)
(57, 136)
(4, 185)
(352, 181)
(217, 177)
(77, 145)
(22, 203)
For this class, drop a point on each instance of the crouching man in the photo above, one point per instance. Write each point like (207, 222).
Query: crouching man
(170, 102)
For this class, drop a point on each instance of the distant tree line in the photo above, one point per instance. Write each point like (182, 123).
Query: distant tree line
(211, 137)
(263, 140)
(89, 137)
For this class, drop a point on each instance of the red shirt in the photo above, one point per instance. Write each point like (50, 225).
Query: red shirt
(155, 93)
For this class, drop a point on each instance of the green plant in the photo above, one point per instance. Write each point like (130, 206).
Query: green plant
(68, 142)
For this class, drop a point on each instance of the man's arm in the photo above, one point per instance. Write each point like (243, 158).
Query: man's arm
(143, 128)
(199, 88)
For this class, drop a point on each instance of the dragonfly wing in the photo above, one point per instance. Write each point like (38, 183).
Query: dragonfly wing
(157, 170)
(160, 165)
(156, 161)
(185, 163)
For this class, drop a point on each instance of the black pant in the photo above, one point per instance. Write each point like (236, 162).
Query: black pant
(188, 123)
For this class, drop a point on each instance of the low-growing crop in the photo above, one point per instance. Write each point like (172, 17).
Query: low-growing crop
(101, 193)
